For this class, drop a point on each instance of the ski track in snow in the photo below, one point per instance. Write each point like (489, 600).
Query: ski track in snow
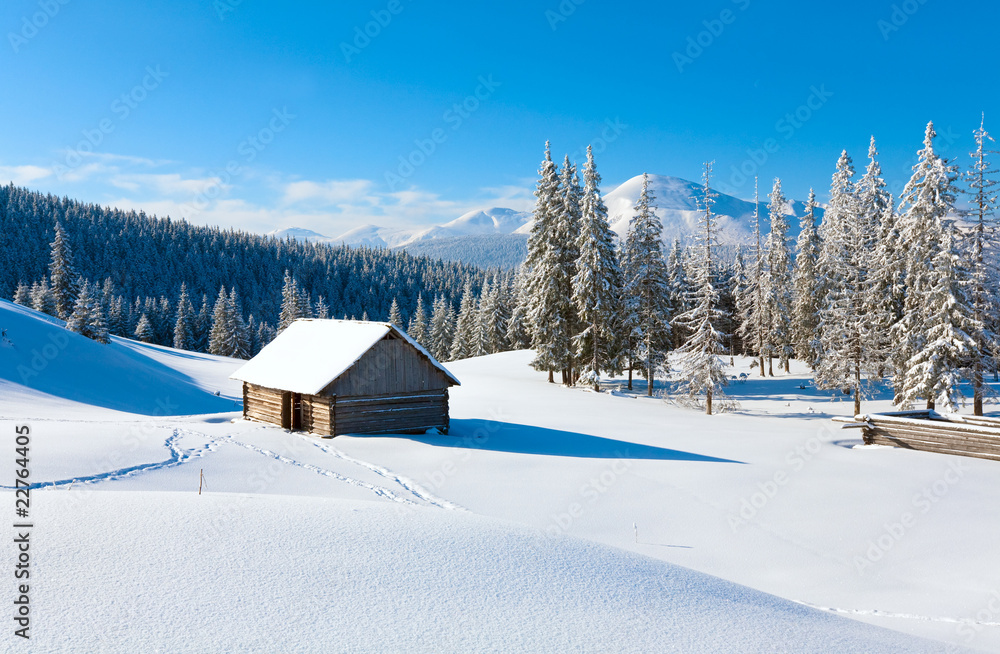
(413, 487)
(178, 456)
(905, 616)
(378, 490)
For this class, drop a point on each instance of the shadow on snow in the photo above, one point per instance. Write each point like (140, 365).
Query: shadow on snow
(527, 439)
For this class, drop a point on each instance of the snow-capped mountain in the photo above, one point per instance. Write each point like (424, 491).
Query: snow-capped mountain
(299, 234)
(676, 202)
(485, 222)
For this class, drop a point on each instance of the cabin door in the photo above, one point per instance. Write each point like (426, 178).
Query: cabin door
(296, 411)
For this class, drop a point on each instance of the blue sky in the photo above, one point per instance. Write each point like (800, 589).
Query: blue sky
(260, 115)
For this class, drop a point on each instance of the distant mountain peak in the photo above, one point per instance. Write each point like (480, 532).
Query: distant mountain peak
(676, 201)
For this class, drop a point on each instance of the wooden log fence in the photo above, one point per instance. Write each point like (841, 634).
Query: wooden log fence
(929, 431)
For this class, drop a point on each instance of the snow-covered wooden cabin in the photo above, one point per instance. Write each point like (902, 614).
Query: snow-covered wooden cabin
(333, 377)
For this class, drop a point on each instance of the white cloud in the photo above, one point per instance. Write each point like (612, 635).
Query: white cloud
(170, 184)
(332, 192)
(23, 175)
(256, 200)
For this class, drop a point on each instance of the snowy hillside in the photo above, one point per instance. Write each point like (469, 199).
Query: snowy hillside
(549, 520)
(38, 353)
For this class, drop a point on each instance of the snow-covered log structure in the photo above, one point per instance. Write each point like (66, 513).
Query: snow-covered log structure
(932, 432)
(332, 377)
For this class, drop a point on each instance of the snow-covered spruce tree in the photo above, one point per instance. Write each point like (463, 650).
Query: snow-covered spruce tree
(290, 302)
(440, 335)
(265, 334)
(203, 325)
(805, 308)
(322, 309)
(934, 371)
(569, 236)
(777, 286)
(739, 291)
(42, 299)
(62, 273)
(597, 285)
(304, 304)
(241, 341)
(754, 320)
(493, 316)
(984, 252)
(547, 304)
(702, 371)
(417, 329)
(646, 291)
(518, 328)
(678, 284)
(873, 239)
(116, 319)
(466, 340)
(926, 232)
(184, 324)
(846, 352)
(22, 295)
(87, 318)
(143, 330)
(394, 316)
(222, 336)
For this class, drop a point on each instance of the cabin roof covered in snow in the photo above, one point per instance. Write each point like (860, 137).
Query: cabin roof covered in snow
(310, 354)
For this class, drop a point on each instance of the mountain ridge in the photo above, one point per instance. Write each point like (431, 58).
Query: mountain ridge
(676, 203)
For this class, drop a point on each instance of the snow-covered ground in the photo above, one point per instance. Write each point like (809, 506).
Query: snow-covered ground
(550, 519)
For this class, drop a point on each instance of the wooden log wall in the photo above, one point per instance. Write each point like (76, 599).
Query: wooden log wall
(932, 432)
(412, 412)
(332, 416)
(267, 405)
(317, 415)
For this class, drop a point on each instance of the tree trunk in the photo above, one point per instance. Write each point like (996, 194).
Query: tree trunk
(630, 375)
(762, 373)
(977, 389)
(708, 401)
(649, 377)
(593, 365)
(857, 390)
(770, 365)
(788, 366)
(930, 404)
(551, 380)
